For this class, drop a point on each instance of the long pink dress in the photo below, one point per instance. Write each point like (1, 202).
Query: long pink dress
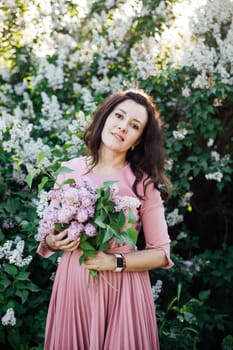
(116, 311)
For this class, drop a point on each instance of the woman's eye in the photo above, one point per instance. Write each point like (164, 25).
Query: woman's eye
(118, 115)
(135, 126)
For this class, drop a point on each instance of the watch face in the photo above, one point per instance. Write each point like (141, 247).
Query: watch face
(119, 262)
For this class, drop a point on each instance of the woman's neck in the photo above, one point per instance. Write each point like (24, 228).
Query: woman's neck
(108, 162)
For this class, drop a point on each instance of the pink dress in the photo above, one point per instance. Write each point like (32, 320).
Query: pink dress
(116, 311)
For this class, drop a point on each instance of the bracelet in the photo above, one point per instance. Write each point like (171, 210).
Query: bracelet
(45, 244)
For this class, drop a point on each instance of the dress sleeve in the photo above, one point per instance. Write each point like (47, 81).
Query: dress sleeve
(41, 250)
(154, 223)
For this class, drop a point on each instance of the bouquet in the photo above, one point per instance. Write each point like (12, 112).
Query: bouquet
(96, 215)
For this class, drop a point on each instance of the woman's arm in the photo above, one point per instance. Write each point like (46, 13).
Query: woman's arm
(138, 261)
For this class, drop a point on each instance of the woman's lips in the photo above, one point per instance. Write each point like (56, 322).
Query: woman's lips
(118, 137)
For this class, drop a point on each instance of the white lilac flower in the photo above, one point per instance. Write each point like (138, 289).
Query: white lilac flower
(217, 102)
(210, 142)
(185, 199)
(14, 255)
(217, 176)
(215, 155)
(20, 87)
(9, 318)
(156, 289)
(173, 218)
(181, 235)
(180, 134)
(169, 164)
(41, 203)
(52, 114)
(186, 91)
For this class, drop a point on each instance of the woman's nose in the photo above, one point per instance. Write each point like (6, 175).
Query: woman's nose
(123, 127)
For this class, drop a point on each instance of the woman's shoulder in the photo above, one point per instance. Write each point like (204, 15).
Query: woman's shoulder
(75, 163)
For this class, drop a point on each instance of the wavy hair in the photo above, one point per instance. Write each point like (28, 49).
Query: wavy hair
(148, 156)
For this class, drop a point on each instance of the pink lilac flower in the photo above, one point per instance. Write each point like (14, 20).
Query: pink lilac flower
(71, 195)
(82, 215)
(125, 202)
(65, 214)
(90, 230)
(114, 190)
(75, 229)
(91, 211)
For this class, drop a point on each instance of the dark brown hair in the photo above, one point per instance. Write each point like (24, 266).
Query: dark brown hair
(148, 156)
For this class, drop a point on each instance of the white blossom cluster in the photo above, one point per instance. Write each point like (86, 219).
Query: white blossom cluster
(12, 253)
(194, 38)
(9, 318)
(156, 289)
(41, 203)
(185, 199)
(179, 134)
(173, 218)
(217, 176)
(218, 166)
(190, 267)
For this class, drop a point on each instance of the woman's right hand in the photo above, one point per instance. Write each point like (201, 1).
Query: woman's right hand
(60, 241)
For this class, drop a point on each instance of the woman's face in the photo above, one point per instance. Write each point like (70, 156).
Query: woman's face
(124, 126)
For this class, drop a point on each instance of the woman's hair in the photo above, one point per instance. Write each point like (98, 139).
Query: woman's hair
(148, 156)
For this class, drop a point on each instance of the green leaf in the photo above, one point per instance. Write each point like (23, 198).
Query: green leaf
(5, 282)
(131, 217)
(107, 184)
(11, 269)
(86, 246)
(23, 294)
(23, 275)
(41, 156)
(63, 170)
(68, 181)
(108, 234)
(99, 221)
(129, 236)
(103, 246)
(30, 176)
(42, 183)
(33, 287)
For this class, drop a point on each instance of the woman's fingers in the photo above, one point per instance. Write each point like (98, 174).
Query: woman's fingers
(101, 262)
(68, 245)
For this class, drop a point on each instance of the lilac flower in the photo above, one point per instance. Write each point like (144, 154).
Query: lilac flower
(90, 230)
(65, 214)
(82, 215)
(126, 202)
(71, 195)
(75, 229)
(114, 190)
(91, 211)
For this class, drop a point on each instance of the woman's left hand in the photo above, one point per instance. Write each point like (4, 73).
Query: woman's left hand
(101, 262)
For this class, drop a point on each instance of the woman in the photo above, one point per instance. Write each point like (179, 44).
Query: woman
(116, 311)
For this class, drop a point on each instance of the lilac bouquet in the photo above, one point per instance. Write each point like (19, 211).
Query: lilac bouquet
(97, 215)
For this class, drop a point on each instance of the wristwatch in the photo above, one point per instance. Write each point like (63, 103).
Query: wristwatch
(119, 262)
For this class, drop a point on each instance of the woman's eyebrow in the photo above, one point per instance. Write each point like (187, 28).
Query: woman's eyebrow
(122, 110)
(135, 119)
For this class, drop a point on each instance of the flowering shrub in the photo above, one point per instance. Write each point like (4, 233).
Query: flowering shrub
(58, 61)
